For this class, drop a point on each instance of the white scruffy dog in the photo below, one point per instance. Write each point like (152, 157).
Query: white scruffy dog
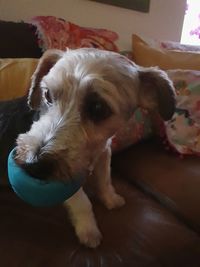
(84, 96)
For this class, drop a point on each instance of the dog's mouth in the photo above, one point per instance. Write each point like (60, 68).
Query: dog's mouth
(50, 167)
(46, 162)
(44, 169)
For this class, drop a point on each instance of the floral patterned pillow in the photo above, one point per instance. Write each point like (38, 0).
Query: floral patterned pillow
(57, 33)
(183, 130)
(139, 126)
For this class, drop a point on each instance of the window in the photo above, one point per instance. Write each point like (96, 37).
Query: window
(191, 24)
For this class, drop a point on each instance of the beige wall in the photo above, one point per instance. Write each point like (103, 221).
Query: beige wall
(164, 21)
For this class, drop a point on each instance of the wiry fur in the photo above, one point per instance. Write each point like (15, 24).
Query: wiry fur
(83, 97)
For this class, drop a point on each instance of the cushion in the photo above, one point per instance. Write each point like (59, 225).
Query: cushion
(15, 77)
(57, 33)
(139, 127)
(183, 130)
(147, 55)
(170, 45)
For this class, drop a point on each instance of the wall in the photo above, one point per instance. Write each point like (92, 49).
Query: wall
(164, 21)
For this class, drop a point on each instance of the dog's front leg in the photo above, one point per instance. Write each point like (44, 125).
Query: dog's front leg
(105, 189)
(83, 219)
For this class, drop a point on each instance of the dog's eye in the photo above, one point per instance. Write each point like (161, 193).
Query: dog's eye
(47, 96)
(96, 109)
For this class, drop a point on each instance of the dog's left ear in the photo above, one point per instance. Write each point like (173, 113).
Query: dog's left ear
(156, 92)
(46, 62)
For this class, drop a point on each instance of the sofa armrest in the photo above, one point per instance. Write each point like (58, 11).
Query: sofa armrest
(169, 179)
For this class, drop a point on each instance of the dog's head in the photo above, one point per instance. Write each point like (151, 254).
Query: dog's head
(84, 96)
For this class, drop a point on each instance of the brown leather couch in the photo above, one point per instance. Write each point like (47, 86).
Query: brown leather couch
(159, 226)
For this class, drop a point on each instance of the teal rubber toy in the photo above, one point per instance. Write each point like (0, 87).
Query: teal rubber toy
(37, 192)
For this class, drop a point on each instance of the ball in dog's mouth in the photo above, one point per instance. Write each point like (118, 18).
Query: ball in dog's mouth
(39, 192)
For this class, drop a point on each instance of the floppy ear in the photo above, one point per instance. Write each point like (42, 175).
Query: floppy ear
(46, 62)
(156, 92)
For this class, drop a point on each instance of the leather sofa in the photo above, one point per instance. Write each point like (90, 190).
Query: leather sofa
(158, 227)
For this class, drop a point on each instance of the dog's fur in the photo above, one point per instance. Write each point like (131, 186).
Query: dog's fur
(77, 101)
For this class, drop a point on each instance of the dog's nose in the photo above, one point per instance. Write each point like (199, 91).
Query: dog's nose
(42, 169)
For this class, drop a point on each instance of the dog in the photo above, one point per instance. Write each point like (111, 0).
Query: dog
(64, 127)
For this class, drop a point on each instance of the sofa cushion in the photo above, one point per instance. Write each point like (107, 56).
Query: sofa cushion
(147, 55)
(15, 76)
(171, 180)
(142, 233)
(54, 32)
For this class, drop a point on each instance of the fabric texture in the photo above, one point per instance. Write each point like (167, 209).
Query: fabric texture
(15, 75)
(170, 45)
(139, 127)
(57, 33)
(183, 130)
(147, 55)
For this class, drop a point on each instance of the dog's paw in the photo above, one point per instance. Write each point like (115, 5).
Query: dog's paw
(89, 235)
(114, 201)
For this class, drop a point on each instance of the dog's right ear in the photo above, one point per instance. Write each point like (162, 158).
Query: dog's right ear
(46, 62)
(157, 92)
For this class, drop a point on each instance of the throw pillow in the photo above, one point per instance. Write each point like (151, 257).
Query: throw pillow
(147, 55)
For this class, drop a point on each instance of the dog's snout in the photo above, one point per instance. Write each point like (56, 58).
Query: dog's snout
(43, 169)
